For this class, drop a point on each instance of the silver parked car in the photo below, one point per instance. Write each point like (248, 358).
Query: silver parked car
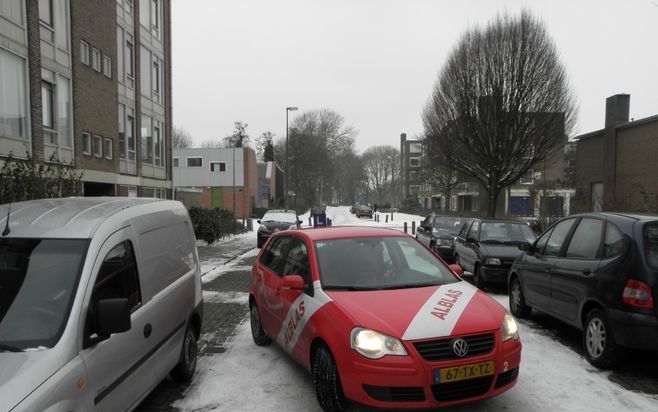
(100, 299)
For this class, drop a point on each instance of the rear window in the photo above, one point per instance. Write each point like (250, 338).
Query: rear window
(651, 245)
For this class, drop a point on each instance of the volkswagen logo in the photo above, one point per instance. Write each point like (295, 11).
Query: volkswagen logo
(460, 347)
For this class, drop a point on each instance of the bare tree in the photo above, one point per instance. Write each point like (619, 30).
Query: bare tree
(212, 144)
(265, 147)
(180, 138)
(502, 103)
(381, 165)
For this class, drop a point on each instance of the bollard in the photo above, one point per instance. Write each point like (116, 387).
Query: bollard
(250, 225)
(328, 222)
(413, 227)
(405, 227)
(386, 218)
(310, 223)
(391, 216)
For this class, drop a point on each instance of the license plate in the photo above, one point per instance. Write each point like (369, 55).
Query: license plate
(460, 373)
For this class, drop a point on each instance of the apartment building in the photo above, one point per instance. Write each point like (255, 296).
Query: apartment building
(411, 154)
(88, 83)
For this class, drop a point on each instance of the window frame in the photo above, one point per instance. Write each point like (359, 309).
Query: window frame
(97, 146)
(107, 148)
(175, 161)
(188, 158)
(84, 53)
(96, 59)
(107, 66)
(86, 144)
(217, 162)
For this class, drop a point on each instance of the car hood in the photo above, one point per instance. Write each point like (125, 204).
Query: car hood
(506, 252)
(277, 225)
(422, 313)
(23, 372)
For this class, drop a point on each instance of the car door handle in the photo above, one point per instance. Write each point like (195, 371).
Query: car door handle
(587, 271)
(148, 329)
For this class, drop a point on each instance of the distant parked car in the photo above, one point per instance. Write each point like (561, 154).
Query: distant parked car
(273, 221)
(353, 209)
(487, 248)
(438, 232)
(599, 273)
(364, 210)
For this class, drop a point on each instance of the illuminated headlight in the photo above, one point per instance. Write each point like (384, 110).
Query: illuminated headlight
(509, 329)
(375, 345)
(492, 262)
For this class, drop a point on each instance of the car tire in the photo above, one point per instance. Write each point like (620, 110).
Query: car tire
(184, 369)
(257, 332)
(517, 304)
(598, 342)
(327, 382)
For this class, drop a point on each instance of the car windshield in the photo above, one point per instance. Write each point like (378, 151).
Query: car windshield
(506, 232)
(651, 244)
(279, 217)
(38, 280)
(373, 263)
(449, 225)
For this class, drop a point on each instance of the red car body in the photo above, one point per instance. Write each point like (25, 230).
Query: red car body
(427, 320)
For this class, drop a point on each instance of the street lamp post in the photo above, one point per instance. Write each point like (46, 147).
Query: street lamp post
(287, 176)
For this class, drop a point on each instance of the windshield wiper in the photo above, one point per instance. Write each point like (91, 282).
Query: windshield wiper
(7, 348)
(350, 288)
(411, 286)
(495, 241)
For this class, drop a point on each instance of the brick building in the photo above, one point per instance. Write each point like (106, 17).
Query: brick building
(411, 154)
(616, 167)
(226, 178)
(88, 82)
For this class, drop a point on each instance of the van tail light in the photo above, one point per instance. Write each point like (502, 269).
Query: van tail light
(638, 294)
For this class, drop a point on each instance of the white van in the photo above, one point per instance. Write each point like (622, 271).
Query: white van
(100, 299)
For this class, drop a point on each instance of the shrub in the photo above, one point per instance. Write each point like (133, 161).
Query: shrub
(211, 225)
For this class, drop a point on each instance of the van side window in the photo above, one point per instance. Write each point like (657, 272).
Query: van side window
(275, 253)
(117, 277)
(614, 241)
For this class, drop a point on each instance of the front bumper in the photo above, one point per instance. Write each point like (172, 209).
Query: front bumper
(495, 274)
(407, 382)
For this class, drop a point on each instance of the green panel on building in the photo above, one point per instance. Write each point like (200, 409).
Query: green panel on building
(217, 197)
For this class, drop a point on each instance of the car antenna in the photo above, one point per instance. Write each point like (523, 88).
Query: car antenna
(7, 230)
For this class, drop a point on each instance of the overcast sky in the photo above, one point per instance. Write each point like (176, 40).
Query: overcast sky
(375, 61)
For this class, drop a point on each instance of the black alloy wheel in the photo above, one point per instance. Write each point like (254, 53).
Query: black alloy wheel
(257, 332)
(184, 369)
(327, 382)
(598, 342)
(517, 303)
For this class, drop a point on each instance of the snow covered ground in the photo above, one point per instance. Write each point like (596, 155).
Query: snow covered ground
(252, 378)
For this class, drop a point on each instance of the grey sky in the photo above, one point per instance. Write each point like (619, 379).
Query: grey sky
(375, 61)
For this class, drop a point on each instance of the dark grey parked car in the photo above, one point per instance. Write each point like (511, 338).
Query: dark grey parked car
(438, 232)
(487, 248)
(599, 273)
(273, 221)
(364, 210)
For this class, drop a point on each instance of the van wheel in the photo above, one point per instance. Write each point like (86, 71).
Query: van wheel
(327, 382)
(184, 370)
(257, 332)
(517, 303)
(598, 342)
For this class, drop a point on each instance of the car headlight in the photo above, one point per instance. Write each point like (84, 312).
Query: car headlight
(446, 242)
(509, 329)
(492, 262)
(375, 345)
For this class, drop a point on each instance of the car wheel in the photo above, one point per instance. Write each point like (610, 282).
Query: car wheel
(184, 370)
(598, 342)
(517, 303)
(327, 382)
(257, 332)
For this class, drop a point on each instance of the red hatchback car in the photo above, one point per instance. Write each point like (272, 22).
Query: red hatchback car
(380, 320)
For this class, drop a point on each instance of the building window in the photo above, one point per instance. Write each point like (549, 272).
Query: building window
(156, 79)
(48, 112)
(107, 149)
(150, 16)
(84, 52)
(96, 59)
(126, 132)
(147, 140)
(56, 109)
(414, 162)
(54, 22)
(120, 54)
(176, 161)
(12, 10)
(46, 30)
(194, 162)
(86, 143)
(130, 61)
(158, 147)
(145, 71)
(527, 179)
(217, 166)
(415, 148)
(98, 146)
(414, 189)
(107, 66)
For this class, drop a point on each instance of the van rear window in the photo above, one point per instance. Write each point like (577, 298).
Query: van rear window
(651, 244)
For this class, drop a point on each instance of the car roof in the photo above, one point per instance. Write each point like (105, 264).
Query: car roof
(281, 211)
(73, 217)
(345, 232)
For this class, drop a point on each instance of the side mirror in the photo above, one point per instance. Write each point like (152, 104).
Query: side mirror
(525, 246)
(294, 282)
(112, 316)
(258, 221)
(458, 270)
(470, 240)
